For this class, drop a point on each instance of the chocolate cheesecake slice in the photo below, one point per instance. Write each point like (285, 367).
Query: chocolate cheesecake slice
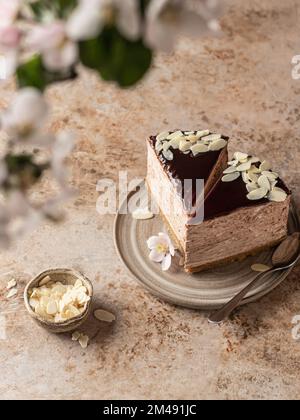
(174, 157)
(244, 203)
(245, 213)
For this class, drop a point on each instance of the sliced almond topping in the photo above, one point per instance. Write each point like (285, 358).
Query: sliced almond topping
(271, 175)
(162, 136)
(230, 170)
(231, 177)
(166, 146)
(251, 186)
(184, 145)
(265, 166)
(175, 142)
(105, 316)
(260, 268)
(264, 182)
(142, 214)
(257, 194)
(277, 195)
(244, 166)
(217, 145)
(212, 137)
(233, 163)
(245, 177)
(193, 138)
(203, 133)
(199, 148)
(240, 156)
(253, 177)
(11, 284)
(168, 155)
(174, 135)
(12, 293)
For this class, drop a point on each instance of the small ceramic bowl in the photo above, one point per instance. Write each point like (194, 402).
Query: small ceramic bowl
(65, 276)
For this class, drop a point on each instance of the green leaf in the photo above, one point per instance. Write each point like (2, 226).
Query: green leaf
(135, 63)
(32, 74)
(115, 58)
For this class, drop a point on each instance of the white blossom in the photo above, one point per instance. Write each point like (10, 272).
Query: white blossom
(168, 19)
(58, 52)
(24, 119)
(161, 250)
(90, 17)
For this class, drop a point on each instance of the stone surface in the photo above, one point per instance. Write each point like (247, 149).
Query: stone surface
(240, 84)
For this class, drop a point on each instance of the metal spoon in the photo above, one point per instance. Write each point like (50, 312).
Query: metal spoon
(280, 260)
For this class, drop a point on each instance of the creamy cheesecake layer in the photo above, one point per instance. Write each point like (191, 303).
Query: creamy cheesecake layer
(236, 235)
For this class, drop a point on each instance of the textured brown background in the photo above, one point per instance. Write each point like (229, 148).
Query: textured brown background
(240, 84)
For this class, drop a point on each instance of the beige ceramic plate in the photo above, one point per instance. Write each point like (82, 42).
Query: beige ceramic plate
(207, 290)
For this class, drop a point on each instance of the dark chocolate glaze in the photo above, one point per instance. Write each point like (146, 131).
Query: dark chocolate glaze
(226, 197)
(187, 166)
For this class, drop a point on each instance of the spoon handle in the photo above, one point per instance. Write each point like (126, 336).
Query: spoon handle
(221, 314)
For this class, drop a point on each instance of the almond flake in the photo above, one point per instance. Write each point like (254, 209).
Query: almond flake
(104, 316)
(231, 177)
(174, 135)
(265, 166)
(230, 170)
(162, 136)
(76, 335)
(271, 175)
(142, 214)
(184, 145)
(83, 341)
(168, 155)
(203, 133)
(217, 145)
(199, 148)
(257, 194)
(264, 182)
(233, 163)
(166, 146)
(52, 308)
(11, 284)
(175, 142)
(158, 147)
(240, 156)
(253, 177)
(33, 303)
(244, 166)
(212, 137)
(12, 293)
(251, 186)
(260, 268)
(44, 281)
(278, 195)
(192, 138)
(245, 177)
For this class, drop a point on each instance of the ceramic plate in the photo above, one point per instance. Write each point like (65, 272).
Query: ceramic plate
(207, 290)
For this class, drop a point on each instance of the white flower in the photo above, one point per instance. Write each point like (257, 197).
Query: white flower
(10, 35)
(58, 52)
(90, 17)
(25, 117)
(162, 250)
(168, 19)
(9, 10)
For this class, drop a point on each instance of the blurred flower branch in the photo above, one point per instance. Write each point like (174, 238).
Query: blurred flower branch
(44, 42)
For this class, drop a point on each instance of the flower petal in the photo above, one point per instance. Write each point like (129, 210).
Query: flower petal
(166, 263)
(156, 256)
(153, 242)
